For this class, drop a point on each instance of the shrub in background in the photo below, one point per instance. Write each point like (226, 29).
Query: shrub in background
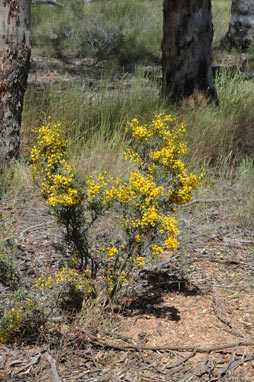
(9, 274)
(9, 267)
(65, 290)
(21, 318)
(97, 41)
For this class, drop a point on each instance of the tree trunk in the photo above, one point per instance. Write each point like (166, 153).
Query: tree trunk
(241, 26)
(15, 50)
(186, 48)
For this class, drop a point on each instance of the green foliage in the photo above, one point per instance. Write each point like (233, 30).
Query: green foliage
(21, 315)
(97, 42)
(65, 290)
(221, 10)
(245, 177)
(9, 273)
(21, 318)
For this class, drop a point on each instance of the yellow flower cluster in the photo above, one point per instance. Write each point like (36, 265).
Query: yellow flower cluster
(66, 277)
(10, 323)
(157, 250)
(140, 261)
(133, 157)
(50, 166)
(138, 238)
(167, 152)
(110, 251)
(141, 192)
(112, 277)
(145, 186)
(44, 282)
(79, 280)
(158, 127)
(164, 155)
(138, 131)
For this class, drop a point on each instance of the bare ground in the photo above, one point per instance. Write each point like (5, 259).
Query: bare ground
(190, 319)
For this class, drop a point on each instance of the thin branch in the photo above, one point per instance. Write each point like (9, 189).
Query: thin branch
(33, 361)
(179, 363)
(223, 371)
(217, 311)
(166, 347)
(53, 367)
(32, 228)
(210, 201)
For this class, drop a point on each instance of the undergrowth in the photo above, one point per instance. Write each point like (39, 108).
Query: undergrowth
(100, 30)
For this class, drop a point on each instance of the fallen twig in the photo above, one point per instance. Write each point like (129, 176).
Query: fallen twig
(154, 364)
(239, 362)
(233, 364)
(33, 361)
(32, 228)
(223, 320)
(93, 359)
(223, 371)
(217, 312)
(198, 349)
(209, 367)
(53, 367)
(50, 2)
(233, 333)
(178, 363)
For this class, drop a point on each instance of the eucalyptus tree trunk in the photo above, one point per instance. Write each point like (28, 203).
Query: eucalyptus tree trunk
(15, 50)
(241, 25)
(186, 48)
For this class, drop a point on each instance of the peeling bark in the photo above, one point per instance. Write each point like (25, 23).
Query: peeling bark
(15, 51)
(186, 48)
(241, 26)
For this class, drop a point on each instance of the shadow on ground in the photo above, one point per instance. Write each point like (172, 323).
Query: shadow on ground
(155, 285)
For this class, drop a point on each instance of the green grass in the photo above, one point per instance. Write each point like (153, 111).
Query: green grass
(87, 112)
(129, 31)
(100, 114)
(221, 10)
(215, 132)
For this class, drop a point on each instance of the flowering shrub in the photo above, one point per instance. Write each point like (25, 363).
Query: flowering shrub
(9, 275)
(60, 189)
(69, 285)
(49, 161)
(143, 205)
(146, 201)
(22, 319)
(10, 323)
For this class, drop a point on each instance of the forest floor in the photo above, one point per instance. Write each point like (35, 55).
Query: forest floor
(190, 318)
